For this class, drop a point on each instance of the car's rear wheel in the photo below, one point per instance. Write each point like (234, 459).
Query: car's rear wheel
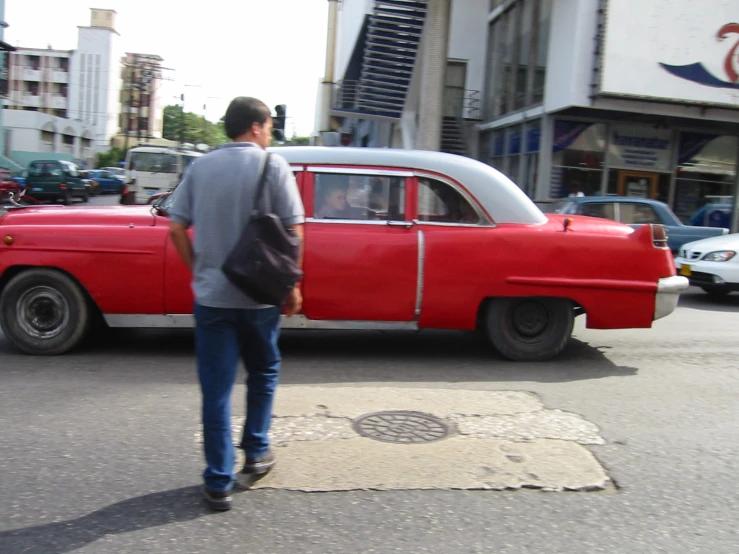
(716, 292)
(44, 312)
(529, 328)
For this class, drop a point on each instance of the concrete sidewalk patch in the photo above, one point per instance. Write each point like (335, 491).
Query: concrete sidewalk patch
(457, 463)
(491, 440)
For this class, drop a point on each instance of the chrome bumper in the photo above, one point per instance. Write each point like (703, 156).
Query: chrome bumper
(668, 293)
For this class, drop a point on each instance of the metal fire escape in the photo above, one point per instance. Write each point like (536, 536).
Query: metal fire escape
(391, 46)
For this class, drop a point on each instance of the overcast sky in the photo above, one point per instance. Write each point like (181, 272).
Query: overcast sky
(271, 49)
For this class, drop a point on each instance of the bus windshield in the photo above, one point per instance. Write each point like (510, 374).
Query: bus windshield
(154, 162)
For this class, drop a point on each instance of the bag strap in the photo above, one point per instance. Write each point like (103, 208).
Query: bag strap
(260, 183)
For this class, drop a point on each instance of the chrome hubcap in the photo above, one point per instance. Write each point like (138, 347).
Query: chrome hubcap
(42, 312)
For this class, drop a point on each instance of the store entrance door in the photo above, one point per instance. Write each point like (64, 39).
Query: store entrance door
(639, 184)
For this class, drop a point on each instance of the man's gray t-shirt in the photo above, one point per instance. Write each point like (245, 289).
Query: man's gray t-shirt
(216, 197)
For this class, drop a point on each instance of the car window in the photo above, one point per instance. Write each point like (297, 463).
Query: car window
(633, 213)
(604, 210)
(358, 197)
(439, 202)
(105, 175)
(39, 169)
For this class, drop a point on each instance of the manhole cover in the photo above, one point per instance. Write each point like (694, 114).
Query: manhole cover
(401, 427)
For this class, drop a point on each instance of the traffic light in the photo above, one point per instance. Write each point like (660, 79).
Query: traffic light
(278, 123)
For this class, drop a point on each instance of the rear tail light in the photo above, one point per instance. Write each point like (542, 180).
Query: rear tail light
(63, 186)
(659, 236)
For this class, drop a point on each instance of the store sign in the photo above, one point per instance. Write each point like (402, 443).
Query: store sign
(640, 148)
(686, 51)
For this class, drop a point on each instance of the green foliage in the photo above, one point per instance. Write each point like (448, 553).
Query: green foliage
(190, 127)
(111, 158)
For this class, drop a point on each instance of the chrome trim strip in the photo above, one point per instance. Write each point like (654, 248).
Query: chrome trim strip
(421, 261)
(668, 295)
(296, 167)
(187, 321)
(360, 171)
(449, 224)
(302, 322)
(175, 321)
(347, 221)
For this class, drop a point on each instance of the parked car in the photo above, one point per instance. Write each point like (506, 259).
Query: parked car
(713, 214)
(20, 177)
(635, 212)
(107, 180)
(116, 172)
(426, 241)
(55, 180)
(93, 187)
(8, 185)
(711, 264)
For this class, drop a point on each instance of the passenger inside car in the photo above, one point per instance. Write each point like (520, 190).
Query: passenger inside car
(333, 202)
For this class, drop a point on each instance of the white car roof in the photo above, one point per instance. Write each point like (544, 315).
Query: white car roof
(501, 198)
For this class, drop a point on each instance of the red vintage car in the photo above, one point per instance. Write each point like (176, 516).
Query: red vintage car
(394, 239)
(8, 187)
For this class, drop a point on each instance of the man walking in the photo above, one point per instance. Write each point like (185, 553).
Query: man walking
(216, 196)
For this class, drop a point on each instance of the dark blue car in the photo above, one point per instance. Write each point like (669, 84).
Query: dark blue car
(107, 181)
(634, 212)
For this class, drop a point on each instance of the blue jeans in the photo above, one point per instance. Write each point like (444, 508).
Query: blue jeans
(222, 337)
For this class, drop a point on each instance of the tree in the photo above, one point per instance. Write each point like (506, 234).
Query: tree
(111, 158)
(191, 127)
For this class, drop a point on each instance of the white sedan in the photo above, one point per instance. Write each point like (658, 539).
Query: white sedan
(711, 264)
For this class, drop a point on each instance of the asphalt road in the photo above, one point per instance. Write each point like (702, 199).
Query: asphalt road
(98, 451)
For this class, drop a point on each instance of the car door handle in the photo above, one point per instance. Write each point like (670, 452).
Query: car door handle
(406, 224)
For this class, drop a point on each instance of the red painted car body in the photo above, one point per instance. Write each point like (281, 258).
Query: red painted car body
(7, 185)
(413, 269)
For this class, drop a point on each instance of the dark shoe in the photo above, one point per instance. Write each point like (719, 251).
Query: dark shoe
(220, 501)
(259, 464)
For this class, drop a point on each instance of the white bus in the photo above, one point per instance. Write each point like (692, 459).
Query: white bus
(154, 169)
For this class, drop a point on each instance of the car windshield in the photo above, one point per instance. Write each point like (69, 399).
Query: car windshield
(154, 162)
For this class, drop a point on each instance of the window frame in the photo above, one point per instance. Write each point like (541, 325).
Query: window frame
(484, 221)
(308, 188)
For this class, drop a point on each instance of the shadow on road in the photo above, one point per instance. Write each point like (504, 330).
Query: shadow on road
(699, 300)
(325, 357)
(143, 512)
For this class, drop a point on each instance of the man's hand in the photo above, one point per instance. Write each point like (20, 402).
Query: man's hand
(294, 302)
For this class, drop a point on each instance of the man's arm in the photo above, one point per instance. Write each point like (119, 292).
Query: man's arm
(180, 219)
(182, 243)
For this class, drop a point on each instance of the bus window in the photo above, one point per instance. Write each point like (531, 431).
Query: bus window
(154, 162)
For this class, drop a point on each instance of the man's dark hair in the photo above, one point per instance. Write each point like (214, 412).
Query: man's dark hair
(242, 113)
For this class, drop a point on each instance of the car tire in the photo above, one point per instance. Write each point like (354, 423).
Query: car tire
(716, 292)
(44, 312)
(531, 329)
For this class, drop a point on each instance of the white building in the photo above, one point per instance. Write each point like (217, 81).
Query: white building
(33, 135)
(96, 77)
(39, 80)
(629, 97)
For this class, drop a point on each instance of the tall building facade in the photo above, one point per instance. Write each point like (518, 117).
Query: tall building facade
(96, 81)
(141, 112)
(625, 97)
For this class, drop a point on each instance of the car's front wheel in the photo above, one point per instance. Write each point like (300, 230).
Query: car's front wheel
(44, 312)
(529, 328)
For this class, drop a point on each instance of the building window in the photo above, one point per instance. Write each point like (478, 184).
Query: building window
(542, 49)
(578, 153)
(518, 41)
(706, 172)
(68, 140)
(63, 64)
(530, 157)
